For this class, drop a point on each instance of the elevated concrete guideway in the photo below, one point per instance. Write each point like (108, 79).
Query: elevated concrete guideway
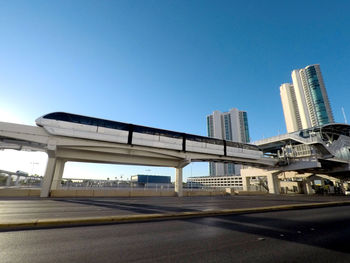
(61, 149)
(9, 175)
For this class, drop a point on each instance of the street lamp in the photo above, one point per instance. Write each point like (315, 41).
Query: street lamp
(33, 163)
(147, 170)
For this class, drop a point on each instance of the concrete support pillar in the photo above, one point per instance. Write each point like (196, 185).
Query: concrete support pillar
(17, 180)
(57, 177)
(307, 187)
(246, 183)
(9, 179)
(273, 183)
(322, 182)
(48, 177)
(178, 182)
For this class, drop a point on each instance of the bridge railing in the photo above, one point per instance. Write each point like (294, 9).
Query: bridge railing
(311, 139)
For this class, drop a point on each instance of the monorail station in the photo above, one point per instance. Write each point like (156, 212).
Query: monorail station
(320, 151)
(70, 137)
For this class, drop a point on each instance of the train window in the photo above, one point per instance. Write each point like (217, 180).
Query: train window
(252, 147)
(112, 124)
(242, 145)
(170, 134)
(85, 121)
(204, 139)
(234, 144)
(60, 116)
(73, 118)
(107, 124)
(154, 131)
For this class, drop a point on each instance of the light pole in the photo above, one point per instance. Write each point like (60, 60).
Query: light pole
(33, 163)
(147, 170)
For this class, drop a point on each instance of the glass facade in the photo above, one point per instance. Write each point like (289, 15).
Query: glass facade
(246, 128)
(227, 125)
(210, 126)
(317, 97)
(305, 101)
(231, 169)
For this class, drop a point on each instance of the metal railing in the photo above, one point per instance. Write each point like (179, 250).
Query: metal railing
(311, 139)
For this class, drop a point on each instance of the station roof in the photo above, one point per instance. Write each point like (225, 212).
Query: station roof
(336, 128)
(272, 144)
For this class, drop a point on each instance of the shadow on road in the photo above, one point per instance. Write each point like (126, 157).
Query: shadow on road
(136, 208)
(320, 230)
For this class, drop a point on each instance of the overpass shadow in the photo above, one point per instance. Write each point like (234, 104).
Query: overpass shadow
(328, 233)
(136, 208)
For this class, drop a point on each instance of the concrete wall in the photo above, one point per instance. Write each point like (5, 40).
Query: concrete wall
(10, 192)
(251, 193)
(109, 193)
(203, 193)
(291, 187)
(129, 193)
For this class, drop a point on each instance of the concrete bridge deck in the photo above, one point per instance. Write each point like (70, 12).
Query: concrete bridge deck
(61, 149)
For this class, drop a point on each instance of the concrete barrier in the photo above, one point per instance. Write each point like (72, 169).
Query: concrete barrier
(13, 192)
(251, 193)
(203, 193)
(84, 193)
(34, 192)
(109, 193)
(63, 193)
(168, 193)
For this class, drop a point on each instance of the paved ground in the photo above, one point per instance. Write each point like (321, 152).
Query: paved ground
(311, 235)
(17, 209)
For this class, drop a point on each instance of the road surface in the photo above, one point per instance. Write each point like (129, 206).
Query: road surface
(309, 235)
(24, 208)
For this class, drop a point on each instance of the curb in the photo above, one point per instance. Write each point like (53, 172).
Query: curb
(78, 221)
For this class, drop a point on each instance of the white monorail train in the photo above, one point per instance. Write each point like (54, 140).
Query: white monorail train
(72, 125)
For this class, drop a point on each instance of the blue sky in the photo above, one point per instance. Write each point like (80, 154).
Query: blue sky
(167, 64)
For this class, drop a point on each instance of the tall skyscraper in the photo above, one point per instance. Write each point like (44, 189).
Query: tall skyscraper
(305, 102)
(231, 126)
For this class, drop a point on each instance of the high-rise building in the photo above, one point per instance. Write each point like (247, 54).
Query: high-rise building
(231, 126)
(305, 102)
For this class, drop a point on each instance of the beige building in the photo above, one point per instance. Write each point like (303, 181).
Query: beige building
(305, 102)
(216, 182)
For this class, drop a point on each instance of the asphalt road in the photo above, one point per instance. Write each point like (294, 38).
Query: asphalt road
(312, 235)
(22, 209)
